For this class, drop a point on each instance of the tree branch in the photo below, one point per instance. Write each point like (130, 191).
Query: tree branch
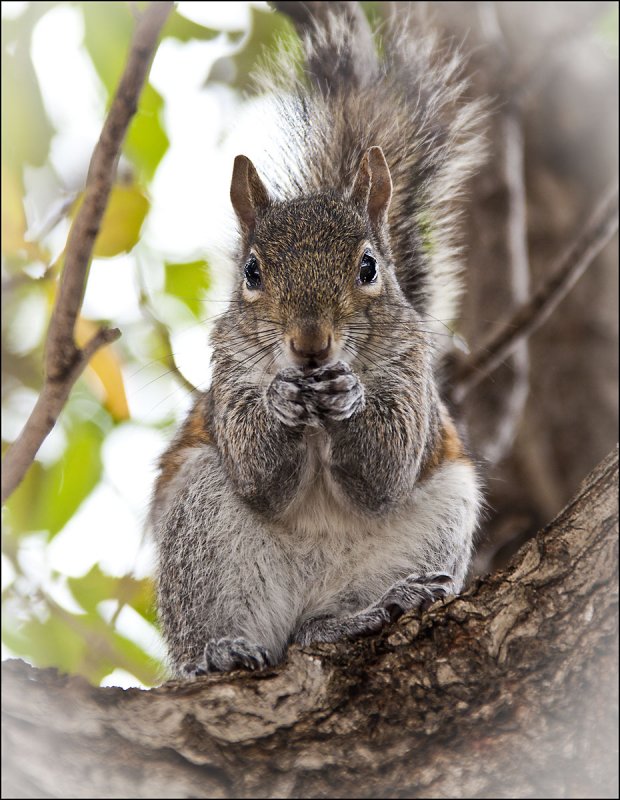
(531, 315)
(513, 402)
(64, 360)
(505, 691)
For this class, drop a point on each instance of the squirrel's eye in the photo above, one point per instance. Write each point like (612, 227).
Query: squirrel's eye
(368, 269)
(252, 273)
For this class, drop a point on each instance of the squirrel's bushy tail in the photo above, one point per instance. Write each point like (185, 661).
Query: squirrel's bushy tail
(403, 91)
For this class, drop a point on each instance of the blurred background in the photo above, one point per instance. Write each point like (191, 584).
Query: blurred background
(77, 568)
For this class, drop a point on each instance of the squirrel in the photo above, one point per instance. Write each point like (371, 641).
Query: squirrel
(319, 489)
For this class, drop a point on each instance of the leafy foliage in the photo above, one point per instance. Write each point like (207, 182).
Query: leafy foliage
(26, 129)
(188, 282)
(54, 616)
(59, 488)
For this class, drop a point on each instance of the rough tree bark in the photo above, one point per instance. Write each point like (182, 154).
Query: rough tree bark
(507, 691)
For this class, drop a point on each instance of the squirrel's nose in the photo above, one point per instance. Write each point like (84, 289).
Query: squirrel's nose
(312, 349)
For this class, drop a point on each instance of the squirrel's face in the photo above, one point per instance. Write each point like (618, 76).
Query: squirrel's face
(316, 271)
(311, 269)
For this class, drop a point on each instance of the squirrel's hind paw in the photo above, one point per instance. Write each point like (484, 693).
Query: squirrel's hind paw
(331, 629)
(224, 655)
(415, 591)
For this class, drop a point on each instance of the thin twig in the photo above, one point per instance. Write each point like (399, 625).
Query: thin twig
(513, 402)
(64, 361)
(163, 333)
(531, 315)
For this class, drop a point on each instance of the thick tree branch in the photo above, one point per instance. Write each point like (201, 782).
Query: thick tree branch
(64, 360)
(505, 691)
(530, 316)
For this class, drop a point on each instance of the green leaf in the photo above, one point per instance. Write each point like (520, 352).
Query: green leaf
(133, 659)
(146, 141)
(108, 28)
(83, 644)
(185, 30)
(73, 478)
(49, 496)
(26, 129)
(22, 508)
(48, 643)
(188, 283)
(107, 35)
(140, 595)
(268, 32)
(13, 215)
(95, 587)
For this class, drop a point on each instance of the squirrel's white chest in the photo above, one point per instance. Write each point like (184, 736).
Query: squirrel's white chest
(319, 506)
(337, 551)
(328, 533)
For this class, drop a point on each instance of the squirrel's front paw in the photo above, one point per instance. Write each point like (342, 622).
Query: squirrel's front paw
(336, 392)
(224, 655)
(286, 397)
(310, 397)
(415, 591)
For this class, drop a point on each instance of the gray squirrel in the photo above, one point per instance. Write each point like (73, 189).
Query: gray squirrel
(319, 489)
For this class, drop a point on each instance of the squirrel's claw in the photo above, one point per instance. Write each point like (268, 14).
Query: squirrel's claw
(415, 591)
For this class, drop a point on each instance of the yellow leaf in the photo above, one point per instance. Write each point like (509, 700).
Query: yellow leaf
(121, 223)
(106, 367)
(13, 217)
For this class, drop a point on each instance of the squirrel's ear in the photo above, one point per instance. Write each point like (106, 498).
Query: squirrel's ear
(247, 192)
(373, 186)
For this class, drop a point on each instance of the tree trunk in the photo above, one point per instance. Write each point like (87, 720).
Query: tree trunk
(507, 691)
